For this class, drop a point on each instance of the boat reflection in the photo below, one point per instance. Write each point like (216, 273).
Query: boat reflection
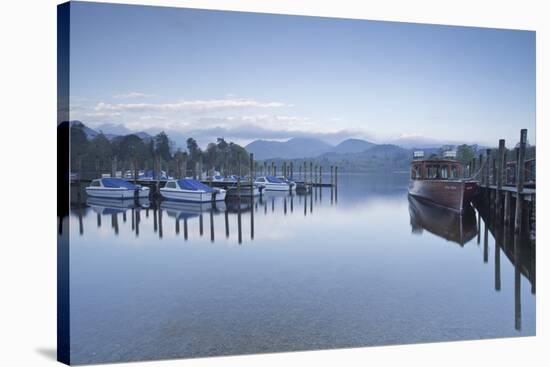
(447, 224)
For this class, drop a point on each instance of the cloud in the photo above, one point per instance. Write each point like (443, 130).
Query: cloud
(133, 95)
(187, 105)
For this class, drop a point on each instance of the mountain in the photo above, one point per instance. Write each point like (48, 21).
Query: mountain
(293, 148)
(353, 146)
(90, 133)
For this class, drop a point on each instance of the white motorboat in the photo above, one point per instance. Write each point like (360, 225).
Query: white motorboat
(116, 188)
(271, 183)
(191, 190)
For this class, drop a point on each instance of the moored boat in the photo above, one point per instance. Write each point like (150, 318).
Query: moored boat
(115, 188)
(440, 182)
(191, 190)
(271, 183)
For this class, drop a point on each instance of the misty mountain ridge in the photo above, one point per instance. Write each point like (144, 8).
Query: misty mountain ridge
(91, 133)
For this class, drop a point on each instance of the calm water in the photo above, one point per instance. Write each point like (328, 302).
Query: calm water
(360, 267)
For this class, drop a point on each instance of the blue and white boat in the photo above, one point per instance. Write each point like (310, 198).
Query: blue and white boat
(115, 188)
(272, 183)
(190, 190)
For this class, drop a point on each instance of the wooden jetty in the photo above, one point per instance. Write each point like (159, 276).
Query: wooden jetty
(511, 200)
(310, 177)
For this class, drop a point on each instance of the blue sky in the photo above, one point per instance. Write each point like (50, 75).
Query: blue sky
(247, 76)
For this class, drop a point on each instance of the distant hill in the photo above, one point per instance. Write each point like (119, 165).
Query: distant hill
(293, 148)
(91, 133)
(352, 146)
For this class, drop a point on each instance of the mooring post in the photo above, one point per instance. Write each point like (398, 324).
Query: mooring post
(500, 170)
(239, 183)
(520, 177)
(487, 162)
(336, 176)
(251, 179)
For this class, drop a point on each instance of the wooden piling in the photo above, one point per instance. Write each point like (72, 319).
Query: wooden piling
(487, 162)
(336, 176)
(520, 177)
(251, 179)
(500, 172)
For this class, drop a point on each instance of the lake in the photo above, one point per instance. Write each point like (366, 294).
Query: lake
(362, 265)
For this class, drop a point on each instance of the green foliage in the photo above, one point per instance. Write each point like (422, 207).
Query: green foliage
(465, 153)
(94, 156)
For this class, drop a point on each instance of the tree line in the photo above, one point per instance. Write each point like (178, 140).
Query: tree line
(91, 157)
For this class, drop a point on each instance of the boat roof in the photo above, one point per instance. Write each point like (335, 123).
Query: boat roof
(194, 185)
(117, 182)
(273, 179)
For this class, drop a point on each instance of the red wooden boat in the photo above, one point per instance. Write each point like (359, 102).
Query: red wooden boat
(440, 182)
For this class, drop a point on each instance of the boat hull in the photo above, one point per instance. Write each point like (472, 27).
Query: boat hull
(116, 193)
(186, 195)
(278, 186)
(445, 193)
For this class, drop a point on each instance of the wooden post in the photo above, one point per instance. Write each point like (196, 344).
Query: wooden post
(520, 177)
(320, 175)
(251, 179)
(521, 161)
(500, 172)
(487, 160)
(239, 183)
(336, 176)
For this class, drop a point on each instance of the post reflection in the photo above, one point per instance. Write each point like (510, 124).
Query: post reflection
(280, 203)
(463, 228)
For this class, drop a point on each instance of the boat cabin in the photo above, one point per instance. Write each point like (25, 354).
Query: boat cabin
(437, 169)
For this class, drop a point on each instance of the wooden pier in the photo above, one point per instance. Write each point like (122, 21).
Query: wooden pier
(508, 195)
(307, 178)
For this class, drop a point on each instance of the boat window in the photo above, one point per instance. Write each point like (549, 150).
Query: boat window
(95, 183)
(433, 172)
(261, 180)
(455, 171)
(415, 172)
(171, 185)
(444, 172)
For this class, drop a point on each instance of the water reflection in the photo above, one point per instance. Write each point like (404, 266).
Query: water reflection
(462, 228)
(286, 272)
(444, 223)
(182, 213)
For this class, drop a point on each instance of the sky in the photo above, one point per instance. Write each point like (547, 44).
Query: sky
(247, 76)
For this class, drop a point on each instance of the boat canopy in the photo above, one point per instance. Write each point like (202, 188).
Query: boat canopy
(194, 185)
(273, 179)
(117, 183)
